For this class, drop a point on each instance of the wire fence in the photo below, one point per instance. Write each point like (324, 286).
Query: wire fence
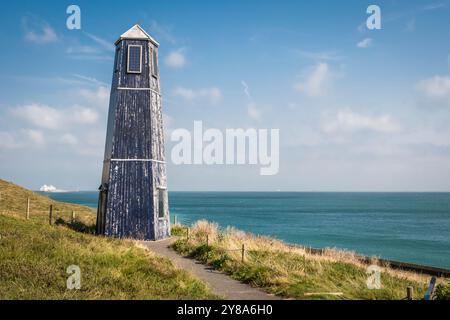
(393, 264)
(53, 213)
(207, 243)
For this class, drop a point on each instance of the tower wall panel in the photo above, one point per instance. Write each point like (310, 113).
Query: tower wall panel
(129, 212)
(132, 133)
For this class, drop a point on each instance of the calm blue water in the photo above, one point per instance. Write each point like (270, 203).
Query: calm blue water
(410, 227)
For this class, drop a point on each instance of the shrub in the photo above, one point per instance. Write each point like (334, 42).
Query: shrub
(179, 230)
(443, 291)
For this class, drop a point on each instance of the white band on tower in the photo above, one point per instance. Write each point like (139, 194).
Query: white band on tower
(136, 160)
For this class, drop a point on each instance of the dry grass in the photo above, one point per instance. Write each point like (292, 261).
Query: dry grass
(13, 201)
(34, 257)
(234, 238)
(293, 271)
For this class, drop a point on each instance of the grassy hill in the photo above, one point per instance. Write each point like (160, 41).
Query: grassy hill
(13, 201)
(34, 257)
(291, 271)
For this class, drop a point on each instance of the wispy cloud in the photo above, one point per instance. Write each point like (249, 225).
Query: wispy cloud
(91, 80)
(437, 87)
(347, 121)
(97, 98)
(415, 11)
(366, 43)
(84, 115)
(246, 89)
(35, 136)
(176, 58)
(315, 83)
(162, 32)
(46, 117)
(106, 45)
(98, 49)
(213, 94)
(319, 55)
(252, 110)
(70, 80)
(68, 139)
(434, 6)
(21, 138)
(101, 58)
(9, 141)
(40, 115)
(72, 126)
(82, 49)
(38, 31)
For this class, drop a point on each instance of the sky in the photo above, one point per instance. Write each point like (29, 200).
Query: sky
(357, 109)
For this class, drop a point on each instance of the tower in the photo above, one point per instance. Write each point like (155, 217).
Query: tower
(133, 201)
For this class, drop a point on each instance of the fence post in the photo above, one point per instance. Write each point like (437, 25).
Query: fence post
(207, 239)
(50, 215)
(73, 216)
(28, 208)
(409, 293)
(243, 253)
(175, 219)
(187, 234)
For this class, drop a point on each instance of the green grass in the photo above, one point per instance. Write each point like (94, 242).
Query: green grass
(13, 201)
(34, 258)
(290, 274)
(178, 230)
(443, 291)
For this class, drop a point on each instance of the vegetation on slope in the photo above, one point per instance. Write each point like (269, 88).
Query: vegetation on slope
(34, 258)
(13, 201)
(443, 291)
(291, 271)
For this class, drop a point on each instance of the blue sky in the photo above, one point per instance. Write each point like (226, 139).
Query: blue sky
(357, 109)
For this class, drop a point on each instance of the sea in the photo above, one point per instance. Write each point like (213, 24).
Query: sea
(407, 227)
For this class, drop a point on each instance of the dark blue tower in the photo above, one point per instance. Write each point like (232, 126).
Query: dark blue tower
(133, 200)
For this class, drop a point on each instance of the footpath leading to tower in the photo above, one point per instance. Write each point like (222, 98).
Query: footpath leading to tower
(220, 283)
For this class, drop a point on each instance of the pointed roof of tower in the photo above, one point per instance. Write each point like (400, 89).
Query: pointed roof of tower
(136, 32)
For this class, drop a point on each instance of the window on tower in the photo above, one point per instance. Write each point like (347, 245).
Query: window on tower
(161, 201)
(134, 59)
(154, 63)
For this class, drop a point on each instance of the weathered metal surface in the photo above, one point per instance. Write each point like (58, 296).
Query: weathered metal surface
(134, 169)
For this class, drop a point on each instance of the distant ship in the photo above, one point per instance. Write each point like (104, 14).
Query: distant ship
(50, 188)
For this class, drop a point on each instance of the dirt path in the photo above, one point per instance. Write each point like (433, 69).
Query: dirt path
(219, 283)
